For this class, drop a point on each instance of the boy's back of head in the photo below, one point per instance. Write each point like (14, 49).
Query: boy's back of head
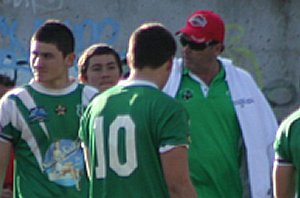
(151, 45)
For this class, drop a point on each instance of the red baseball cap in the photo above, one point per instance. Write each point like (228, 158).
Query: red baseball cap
(203, 26)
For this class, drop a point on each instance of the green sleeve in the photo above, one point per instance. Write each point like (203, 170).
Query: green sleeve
(281, 144)
(174, 126)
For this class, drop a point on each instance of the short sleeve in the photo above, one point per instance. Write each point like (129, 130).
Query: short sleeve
(173, 127)
(286, 140)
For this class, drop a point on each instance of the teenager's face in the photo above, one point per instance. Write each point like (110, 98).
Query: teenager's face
(103, 71)
(48, 65)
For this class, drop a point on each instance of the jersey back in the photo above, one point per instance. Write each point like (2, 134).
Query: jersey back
(125, 130)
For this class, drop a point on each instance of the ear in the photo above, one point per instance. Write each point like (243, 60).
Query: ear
(169, 63)
(82, 78)
(219, 48)
(129, 59)
(70, 59)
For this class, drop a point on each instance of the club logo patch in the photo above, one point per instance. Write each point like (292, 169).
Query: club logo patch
(64, 163)
(186, 94)
(37, 114)
(198, 21)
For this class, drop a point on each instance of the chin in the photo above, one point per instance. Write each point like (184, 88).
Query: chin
(106, 86)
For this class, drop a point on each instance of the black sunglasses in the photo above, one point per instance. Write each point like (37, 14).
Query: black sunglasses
(195, 46)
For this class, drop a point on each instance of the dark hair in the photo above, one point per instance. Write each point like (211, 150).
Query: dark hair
(6, 81)
(151, 44)
(97, 49)
(57, 33)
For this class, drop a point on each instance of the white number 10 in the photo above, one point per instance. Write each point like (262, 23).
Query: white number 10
(130, 165)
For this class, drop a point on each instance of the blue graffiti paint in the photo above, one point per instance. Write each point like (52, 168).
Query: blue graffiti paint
(11, 44)
(107, 31)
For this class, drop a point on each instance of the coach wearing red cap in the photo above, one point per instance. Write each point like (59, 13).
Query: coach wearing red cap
(232, 125)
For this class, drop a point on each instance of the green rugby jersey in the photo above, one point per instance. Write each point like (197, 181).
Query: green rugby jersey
(43, 125)
(214, 154)
(125, 129)
(286, 144)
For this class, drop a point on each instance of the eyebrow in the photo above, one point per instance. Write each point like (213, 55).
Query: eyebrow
(108, 63)
(111, 63)
(41, 53)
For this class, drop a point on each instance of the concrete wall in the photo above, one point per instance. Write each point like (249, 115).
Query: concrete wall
(261, 36)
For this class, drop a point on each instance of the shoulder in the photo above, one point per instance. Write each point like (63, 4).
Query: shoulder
(292, 121)
(9, 101)
(237, 74)
(232, 68)
(287, 135)
(168, 103)
(15, 92)
(88, 90)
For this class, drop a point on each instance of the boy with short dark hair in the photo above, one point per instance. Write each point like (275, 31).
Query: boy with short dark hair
(40, 120)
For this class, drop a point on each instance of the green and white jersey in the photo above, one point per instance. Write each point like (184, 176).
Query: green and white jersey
(286, 144)
(214, 154)
(125, 129)
(43, 125)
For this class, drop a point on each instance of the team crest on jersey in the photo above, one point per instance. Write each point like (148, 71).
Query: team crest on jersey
(63, 163)
(186, 94)
(60, 110)
(37, 114)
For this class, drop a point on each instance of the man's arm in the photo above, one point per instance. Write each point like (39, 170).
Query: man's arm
(5, 148)
(175, 167)
(284, 181)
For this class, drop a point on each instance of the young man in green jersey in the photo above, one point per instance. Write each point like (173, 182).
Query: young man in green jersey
(135, 136)
(286, 174)
(40, 121)
(232, 124)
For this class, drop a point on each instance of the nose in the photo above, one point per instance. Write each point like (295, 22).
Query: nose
(36, 61)
(105, 73)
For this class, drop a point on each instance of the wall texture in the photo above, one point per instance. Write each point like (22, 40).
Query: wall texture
(261, 36)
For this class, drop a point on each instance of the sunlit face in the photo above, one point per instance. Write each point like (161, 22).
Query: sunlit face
(194, 59)
(48, 65)
(198, 56)
(103, 71)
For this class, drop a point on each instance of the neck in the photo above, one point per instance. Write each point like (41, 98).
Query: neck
(152, 75)
(207, 72)
(60, 84)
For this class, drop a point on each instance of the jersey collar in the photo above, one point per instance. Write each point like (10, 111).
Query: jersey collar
(128, 83)
(55, 92)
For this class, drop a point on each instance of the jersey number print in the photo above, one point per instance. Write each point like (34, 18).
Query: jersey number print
(121, 169)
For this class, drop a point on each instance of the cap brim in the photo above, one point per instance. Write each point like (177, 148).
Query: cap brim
(191, 33)
(182, 30)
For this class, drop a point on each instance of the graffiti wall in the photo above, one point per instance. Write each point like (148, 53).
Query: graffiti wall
(261, 37)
